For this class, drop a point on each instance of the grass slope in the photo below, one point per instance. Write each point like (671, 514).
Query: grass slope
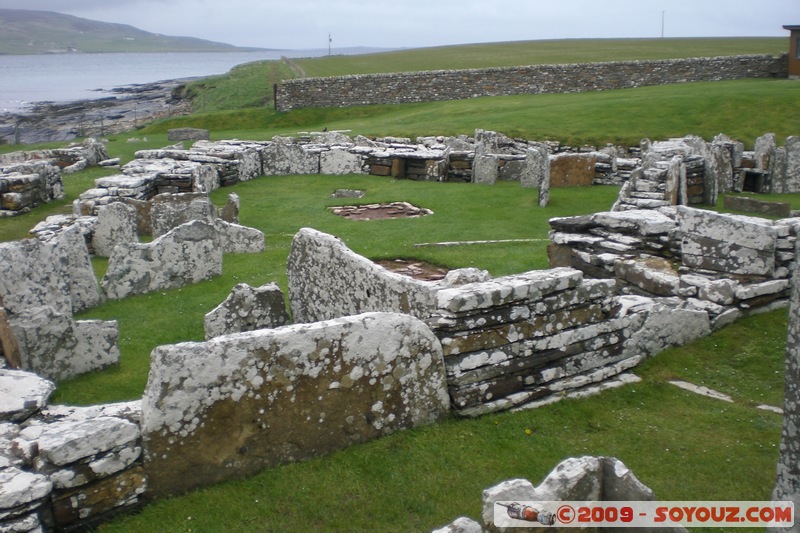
(219, 92)
(41, 32)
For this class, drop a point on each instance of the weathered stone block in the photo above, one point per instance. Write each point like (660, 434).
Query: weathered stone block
(116, 223)
(328, 280)
(168, 211)
(284, 157)
(22, 394)
(338, 161)
(57, 347)
(727, 243)
(654, 276)
(485, 169)
(238, 239)
(572, 170)
(247, 309)
(90, 501)
(503, 291)
(239, 403)
(187, 254)
(740, 203)
(187, 134)
(56, 273)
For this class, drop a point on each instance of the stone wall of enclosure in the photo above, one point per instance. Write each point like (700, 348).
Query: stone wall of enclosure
(407, 87)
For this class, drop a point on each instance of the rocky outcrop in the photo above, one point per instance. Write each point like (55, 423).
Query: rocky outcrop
(238, 403)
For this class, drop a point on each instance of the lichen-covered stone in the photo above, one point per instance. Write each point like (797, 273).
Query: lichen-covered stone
(22, 394)
(247, 309)
(56, 273)
(187, 254)
(328, 280)
(236, 404)
(58, 347)
(168, 211)
(116, 223)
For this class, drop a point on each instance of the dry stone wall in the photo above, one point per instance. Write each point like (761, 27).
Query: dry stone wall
(507, 342)
(725, 265)
(408, 87)
(65, 468)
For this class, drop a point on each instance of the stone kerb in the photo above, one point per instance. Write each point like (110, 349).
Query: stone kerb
(328, 280)
(239, 403)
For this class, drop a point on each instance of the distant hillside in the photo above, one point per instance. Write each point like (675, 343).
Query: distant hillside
(44, 32)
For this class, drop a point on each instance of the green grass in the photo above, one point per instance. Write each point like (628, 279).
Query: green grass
(620, 116)
(221, 93)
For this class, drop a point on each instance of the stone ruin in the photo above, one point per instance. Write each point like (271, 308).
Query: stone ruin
(596, 479)
(625, 285)
(29, 179)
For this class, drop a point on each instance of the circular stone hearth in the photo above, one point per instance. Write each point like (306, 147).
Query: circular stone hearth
(414, 269)
(380, 211)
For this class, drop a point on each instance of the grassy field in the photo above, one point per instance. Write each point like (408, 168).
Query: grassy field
(683, 446)
(258, 78)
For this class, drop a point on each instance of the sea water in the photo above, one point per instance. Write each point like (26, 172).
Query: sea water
(65, 77)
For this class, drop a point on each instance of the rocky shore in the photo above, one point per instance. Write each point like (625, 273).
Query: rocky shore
(128, 107)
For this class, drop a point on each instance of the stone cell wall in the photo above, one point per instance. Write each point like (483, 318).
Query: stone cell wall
(239, 403)
(506, 342)
(406, 87)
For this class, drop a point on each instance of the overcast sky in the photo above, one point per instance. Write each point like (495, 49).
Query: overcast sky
(305, 24)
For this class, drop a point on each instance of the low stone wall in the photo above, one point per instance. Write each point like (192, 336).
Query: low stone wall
(65, 468)
(239, 403)
(727, 265)
(507, 342)
(408, 87)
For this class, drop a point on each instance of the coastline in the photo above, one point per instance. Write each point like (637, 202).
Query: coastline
(129, 106)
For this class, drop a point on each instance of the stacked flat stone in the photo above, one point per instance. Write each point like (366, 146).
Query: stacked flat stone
(516, 339)
(24, 186)
(728, 265)
(64, 468)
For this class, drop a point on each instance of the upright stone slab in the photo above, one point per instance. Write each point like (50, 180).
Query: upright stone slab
(792, 180)
(168, 211)
(57, 347)
(231, 406)
(56, 273)
(485, 169)
(572, 170)
(328, 280)
(339, 161)
(787, 487)
(537, 166)
(116, 224)
(188, 254)
(284, 156)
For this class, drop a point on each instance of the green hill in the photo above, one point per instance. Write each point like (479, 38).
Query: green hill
(44, 32)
